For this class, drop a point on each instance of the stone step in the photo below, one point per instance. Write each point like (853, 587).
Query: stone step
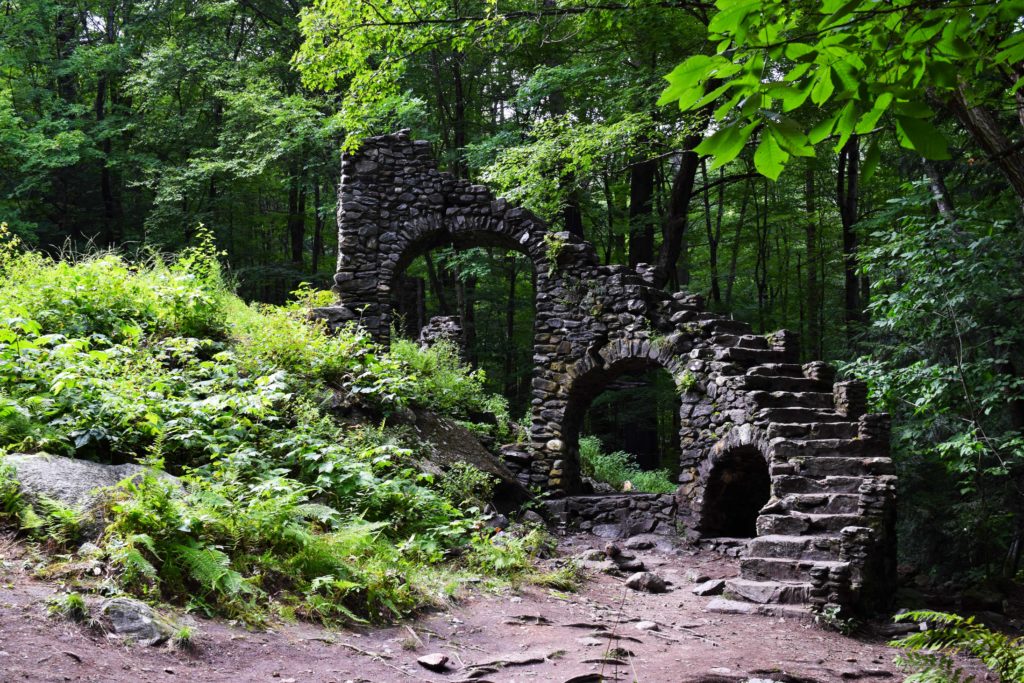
(834, 465)
(741, 355)
(711, 323)
(798, 523)
(821, 547)
(778, 383)
(775, 569)
(769, 592)
(814, 430)
(778, 370)
(791, 483)
(745, 341)
(791, 399)
(799, 415)
(822, 503)
(726, 606)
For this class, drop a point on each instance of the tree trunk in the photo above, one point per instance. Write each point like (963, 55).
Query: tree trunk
(510, 382)
(678, 209)
(460, 126)
(714, 235)
(813, 339)
(940, 193)
(318, 228)
(735, 255)
(436, 287)
(981, 123)
(847, 188)
(297, 214)
(641, 216)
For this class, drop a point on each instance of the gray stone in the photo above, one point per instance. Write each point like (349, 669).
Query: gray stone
(434, 662)
(648, 582)
(133, 620)
(531, 517)
(712, 587)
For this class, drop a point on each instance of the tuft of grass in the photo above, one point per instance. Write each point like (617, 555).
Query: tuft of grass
(184, 638)
(568, 578)
(68, 606)
(619, 467)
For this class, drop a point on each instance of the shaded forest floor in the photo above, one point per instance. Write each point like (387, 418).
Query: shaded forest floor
(531, 634)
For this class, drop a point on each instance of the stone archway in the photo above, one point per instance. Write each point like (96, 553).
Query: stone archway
(736, 488)
(829, 519)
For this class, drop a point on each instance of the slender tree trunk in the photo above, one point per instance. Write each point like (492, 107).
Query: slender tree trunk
(641, 216)
(318, 228)
(678, 209)
(713, 235)
(735, 252)
(460, 127)
(813, 292)
(940, 193)
(510, 382)
(465, 292)
(616, 243)
(847, 189)
(436, 287)
(297, 214)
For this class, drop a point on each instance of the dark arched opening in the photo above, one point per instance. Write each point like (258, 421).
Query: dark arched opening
(738, 486)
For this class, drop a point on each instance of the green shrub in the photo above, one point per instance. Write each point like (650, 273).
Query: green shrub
(465, 485)
(280, 507)
(929, 654)
(618, 467)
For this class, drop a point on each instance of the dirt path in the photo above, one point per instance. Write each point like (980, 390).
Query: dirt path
(530, 635)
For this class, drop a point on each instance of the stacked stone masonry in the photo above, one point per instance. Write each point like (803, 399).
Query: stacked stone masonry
(770, 448)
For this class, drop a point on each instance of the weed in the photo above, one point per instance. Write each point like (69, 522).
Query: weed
(619, 468)
(69, 606)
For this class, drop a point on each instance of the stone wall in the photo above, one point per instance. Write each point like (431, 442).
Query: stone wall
(616, 516)
(749, 412)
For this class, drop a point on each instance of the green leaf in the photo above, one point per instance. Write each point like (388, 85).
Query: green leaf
(823, 86)
(870, 119)
(726, 144)
(730, 16)
(871, 160)
(769, 159)
(844, 126)
(922, 137)
(823, 129)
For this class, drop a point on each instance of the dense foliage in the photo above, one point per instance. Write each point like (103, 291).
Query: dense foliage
(783, 176)
(279, 503)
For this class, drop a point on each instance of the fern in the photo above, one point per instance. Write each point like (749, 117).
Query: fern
(210, 568)
(930, 653)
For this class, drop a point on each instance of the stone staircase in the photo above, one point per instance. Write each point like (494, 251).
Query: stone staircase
(831, 479)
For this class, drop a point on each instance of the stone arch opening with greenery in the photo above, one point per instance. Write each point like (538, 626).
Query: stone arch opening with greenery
(825, 535)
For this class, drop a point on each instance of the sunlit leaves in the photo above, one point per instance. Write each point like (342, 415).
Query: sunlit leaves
(865, 59)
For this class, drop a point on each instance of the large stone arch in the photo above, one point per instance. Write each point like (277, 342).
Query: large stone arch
(825, 534)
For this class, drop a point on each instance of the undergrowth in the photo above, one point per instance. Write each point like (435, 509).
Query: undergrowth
(278, 508)
(929, 654)
(619, 467)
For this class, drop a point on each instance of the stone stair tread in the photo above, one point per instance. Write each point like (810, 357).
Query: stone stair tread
(769, 592)
(726, 606)
(787, 370)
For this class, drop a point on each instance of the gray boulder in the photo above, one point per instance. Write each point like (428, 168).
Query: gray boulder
(130, 619)
(79, 484)
(646, 582)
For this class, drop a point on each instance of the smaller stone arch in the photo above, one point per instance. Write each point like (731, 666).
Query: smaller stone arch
(590, 376)
(733, 485)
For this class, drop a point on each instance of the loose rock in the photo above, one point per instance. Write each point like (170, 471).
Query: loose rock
(434, 662)
(646, 582)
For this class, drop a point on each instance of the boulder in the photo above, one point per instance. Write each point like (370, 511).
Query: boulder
(136, 621)
(75, 483)
(646, 582)
(434, 662)
(451, 443)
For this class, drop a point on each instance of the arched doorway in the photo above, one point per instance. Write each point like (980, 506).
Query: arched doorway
(602, 407)
(737, 486)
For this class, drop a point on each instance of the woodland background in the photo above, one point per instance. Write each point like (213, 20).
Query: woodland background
(131, 123)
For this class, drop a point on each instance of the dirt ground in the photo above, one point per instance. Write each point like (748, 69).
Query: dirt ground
(532, 634)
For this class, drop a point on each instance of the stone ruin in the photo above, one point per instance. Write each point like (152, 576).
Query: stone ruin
(771, 449)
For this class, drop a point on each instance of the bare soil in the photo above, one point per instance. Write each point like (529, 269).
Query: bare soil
(529, 634)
